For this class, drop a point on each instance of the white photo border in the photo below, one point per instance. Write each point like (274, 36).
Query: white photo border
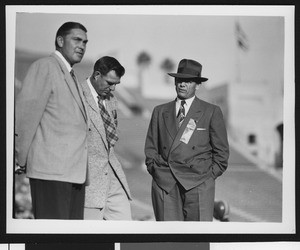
(287, 226)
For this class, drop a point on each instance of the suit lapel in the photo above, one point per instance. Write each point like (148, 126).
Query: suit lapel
(169, 116)
(95, 116)
(195, 113)
(77, 94)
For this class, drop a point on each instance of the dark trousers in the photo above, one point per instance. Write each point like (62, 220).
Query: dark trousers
(196, 204)
(56, 199)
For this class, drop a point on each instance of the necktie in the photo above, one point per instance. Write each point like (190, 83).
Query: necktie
(76, 84)
(110, 128)
(181, 113)
(74, 78)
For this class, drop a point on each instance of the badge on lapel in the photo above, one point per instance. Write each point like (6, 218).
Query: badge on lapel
(188, 131)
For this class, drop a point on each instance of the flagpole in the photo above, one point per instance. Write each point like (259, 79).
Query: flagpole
(241, 45)
(238, 65)
(237, 49)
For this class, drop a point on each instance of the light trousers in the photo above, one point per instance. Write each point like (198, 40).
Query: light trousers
(117, 205)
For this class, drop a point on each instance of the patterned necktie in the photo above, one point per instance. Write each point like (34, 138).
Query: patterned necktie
(110, 128)
(181, 113)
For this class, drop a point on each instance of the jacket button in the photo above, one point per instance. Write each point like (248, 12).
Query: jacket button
(191, 166)
(165, 148)
(193, 147)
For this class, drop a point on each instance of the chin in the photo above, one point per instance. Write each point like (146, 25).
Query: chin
(78, 59)
(181, 96)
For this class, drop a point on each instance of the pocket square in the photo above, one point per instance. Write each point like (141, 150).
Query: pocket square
(201, 128)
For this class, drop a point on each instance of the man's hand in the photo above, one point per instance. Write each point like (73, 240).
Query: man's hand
(20, 169)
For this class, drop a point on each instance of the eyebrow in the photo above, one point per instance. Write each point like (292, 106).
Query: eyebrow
(112, 83)
(80, 39)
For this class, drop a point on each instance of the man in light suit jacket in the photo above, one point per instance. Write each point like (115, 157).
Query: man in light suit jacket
(186, 150)
(51, 129)
(107, 195)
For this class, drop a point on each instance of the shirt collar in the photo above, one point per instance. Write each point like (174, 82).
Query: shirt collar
(187, 101)
(64, 60)
(93, 91)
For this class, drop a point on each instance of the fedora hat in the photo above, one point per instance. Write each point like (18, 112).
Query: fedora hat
(188, 68)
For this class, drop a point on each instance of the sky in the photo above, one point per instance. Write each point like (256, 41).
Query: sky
(205, 35)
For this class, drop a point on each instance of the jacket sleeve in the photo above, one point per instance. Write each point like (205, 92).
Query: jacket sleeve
(219, 143)
(30, 105)
(151, 143)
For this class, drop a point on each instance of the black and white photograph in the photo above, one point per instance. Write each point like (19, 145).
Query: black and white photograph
(150, 119)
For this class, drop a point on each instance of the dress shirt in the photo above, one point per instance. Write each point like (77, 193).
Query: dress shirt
(94, 93)
(187, 105)
(64, 60)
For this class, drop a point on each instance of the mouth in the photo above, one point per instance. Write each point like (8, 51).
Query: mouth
(80, 54)
(181, 90)
(105, 93)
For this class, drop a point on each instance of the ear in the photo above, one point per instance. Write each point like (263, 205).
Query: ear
(197, 86)
(96, 74)
(60, 41)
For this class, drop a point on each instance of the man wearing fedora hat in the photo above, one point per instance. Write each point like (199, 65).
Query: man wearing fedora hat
(186, 149)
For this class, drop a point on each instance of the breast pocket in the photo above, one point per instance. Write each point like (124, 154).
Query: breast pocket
(201, 136)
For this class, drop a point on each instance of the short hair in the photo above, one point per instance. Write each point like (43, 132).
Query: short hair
(107, 63)
(65, 30)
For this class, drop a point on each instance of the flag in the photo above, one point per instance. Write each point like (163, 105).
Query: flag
(241, 38)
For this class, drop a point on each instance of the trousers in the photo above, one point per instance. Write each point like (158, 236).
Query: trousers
(56, 199)
(117, 205)
(196, 204)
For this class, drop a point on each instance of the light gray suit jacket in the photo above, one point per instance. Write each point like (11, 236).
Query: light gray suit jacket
(99, 157)
(51, 124)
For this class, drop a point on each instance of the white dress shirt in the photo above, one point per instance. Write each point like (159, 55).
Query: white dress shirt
(64, 60)
(187, 105)
(94, 93)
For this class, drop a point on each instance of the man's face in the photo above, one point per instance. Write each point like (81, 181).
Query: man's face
(73, 45)
(185, 88)
(105, 84)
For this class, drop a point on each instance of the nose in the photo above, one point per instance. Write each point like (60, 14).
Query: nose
(112, 87)
(82, 46)
(182, 84)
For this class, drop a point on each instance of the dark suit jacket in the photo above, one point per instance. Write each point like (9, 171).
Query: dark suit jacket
(51, 123)
(205, 155)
